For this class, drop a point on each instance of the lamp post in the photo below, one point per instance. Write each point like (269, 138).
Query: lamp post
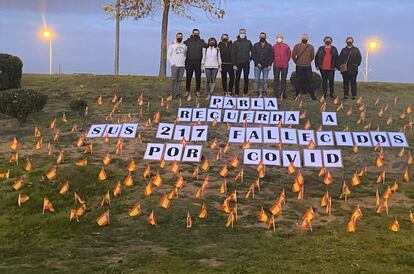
(48, 35)
(371, 46)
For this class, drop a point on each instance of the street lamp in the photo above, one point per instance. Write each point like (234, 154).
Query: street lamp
(47, 34)
(372, 45)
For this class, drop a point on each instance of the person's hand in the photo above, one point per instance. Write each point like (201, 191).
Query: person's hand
(219, 67)
(173, 65)
(234, 67)
(202, 68)
(259, 65)
(269, 68)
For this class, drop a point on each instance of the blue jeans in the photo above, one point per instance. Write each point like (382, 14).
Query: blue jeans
(257, 72)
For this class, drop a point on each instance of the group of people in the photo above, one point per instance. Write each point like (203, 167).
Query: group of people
(194, 56)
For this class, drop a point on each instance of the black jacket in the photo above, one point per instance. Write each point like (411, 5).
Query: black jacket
(320, 54)
(354, 61)
(225, 51)
(242, 50)
(195, 47)
(263, 55)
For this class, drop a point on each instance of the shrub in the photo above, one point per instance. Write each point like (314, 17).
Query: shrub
(19, 103)
(316, 80)
(79, 106)
(10, 71)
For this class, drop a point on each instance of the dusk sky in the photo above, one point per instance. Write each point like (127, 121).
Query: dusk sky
(84, 34)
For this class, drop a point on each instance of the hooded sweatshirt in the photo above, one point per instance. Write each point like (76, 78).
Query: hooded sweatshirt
(176, 54)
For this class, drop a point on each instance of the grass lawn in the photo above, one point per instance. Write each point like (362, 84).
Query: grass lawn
(36, 243)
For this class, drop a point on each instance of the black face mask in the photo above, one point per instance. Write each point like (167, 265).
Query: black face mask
(328, 43)
(304, 41)
(179, 40)
(225, 40)
(262, 40)
(196, 36)
(349, 44)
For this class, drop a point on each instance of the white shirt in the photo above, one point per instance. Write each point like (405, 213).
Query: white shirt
(177, 54)
(211, 57)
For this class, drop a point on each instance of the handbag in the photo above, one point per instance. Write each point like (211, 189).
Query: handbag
(344, 67)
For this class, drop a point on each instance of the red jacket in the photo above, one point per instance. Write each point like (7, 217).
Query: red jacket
(282, 55)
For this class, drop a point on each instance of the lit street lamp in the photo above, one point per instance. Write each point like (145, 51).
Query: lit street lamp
(47, 34)
(370, 46)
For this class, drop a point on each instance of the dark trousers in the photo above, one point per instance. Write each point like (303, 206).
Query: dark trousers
(227, 69)
(304, 80)
(350, 78)
(190, 67)
(279, 84)
(328, 78)
(245, 67)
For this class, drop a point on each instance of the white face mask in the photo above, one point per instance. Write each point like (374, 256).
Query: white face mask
(242, 35)
(279, 40)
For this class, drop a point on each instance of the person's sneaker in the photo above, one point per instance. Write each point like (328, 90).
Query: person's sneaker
(332, 96)
(187, 94)
(346, 97)
(231, 94)
(353, 97)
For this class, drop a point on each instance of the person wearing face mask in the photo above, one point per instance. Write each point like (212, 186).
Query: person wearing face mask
(303, 54)
(226, 47)
(241, 57)
(326, 60)
(211, 63)
(281, 52)
(195, 47)
(349, 61)
(176, 55)
(262, 55)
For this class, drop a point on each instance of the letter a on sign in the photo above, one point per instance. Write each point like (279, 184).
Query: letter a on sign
(329, 119)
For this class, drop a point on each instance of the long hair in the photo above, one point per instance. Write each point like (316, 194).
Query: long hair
(212, 39)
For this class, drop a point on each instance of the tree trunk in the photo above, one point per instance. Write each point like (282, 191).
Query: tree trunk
(164, 30)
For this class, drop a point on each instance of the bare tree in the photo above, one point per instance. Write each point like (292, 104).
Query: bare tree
(138, 9)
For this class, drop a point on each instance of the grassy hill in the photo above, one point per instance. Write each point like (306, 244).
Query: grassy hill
(36, 243)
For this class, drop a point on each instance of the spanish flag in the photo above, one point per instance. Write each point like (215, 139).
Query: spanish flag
(148, 189)
(328, 180)
(394, 226)
(214, 144)
(47, 205)
(151, 219)
(13, 145)
(240, 176)
(78, 199)
(162, 163)
(102, 175)
(230, 219)
(205, 165)
(132, 166)
(226, 206)
(175, 168)
(39, 144)
(307, 218)
(203, 211)
(226, 148)
(99, 101)
(64, 188)
(135, 210)
(37, 133)
(345, 191)
(276, 208)
(73, 215)
(250, 191)
(106, 199)
(387, 193)
(51, 173)
(82, 162)
(156, 117)
(263, 216)
(14, 159)
(140, 100)
(411, 217)
(89, 149)
(406, 176)
(322, 172)
(118, 189)
(56, 137)
(261, 169)
(381, 178)
(18, 184)
(157, 180)
(5, 175)
(196, 173)
(234, 162)
(22, 199)
(291, 168)
(224, 172)
(128, 181)
(355, 180)
(180, 182)
(189, 221)
(103, 219)
(223, 187)
(28, 166)
(165, 202)
(147, 171)
(60, 157)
